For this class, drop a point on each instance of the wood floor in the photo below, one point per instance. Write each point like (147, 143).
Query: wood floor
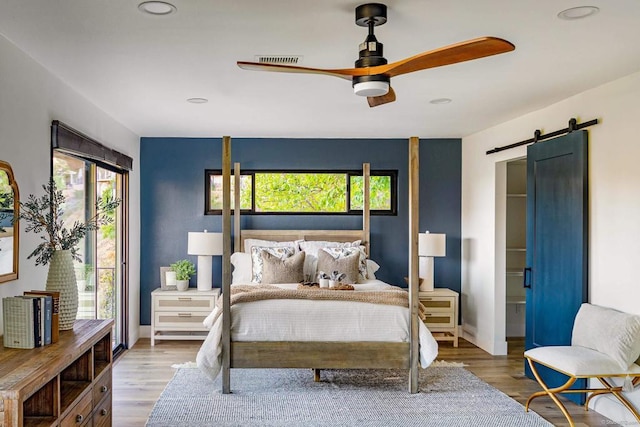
(141, 374)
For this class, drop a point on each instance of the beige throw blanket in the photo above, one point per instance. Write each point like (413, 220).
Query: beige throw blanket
(251, 293)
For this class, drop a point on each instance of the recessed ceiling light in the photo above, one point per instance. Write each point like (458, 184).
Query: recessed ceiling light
(198, 100)
(440, 101)
(578, 12)
(157, 7)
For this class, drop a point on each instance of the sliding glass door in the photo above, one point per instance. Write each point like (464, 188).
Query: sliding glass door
(101, 275)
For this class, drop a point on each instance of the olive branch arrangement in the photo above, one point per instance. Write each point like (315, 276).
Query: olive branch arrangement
(44, 214)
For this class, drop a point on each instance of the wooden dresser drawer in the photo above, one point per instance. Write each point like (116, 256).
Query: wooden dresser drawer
(180, 319)
(102, 413)
(102, 387)
(79, 414)
(192, 303)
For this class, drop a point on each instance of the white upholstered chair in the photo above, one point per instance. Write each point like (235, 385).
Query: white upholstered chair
(605, 344)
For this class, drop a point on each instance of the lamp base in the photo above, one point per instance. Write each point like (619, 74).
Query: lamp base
(204, 272)
(426, 273)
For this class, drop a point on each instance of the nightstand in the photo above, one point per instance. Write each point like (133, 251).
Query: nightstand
(441, 315)
(178, 315)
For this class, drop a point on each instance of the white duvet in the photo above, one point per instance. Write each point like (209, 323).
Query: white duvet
(313, 320)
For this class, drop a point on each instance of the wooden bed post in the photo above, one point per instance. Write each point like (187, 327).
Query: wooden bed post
(236, 207)
(414, 210)
(226, 265)
(366, 201)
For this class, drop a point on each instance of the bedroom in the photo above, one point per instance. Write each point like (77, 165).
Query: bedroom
(33, 96)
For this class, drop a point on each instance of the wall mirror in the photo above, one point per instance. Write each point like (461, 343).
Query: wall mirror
(9, 231)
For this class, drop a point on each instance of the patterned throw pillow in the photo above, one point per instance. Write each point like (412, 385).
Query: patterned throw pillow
(256, 258)
(344, 252)
(311, 248)
(286, 270)
(343, 263)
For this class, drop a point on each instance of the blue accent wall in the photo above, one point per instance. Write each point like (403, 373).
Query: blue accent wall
(173, 185)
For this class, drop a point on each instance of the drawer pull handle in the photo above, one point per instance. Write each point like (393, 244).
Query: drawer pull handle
(79, 418)
(184, 314)
(103, 389)
(104, 412)
(184, 298)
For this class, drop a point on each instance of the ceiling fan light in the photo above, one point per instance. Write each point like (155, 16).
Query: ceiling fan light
(372, 88)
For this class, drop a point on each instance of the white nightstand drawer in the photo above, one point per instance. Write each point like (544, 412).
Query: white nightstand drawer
(182, 320)
(439, 320)
(190, 301)
(435, 304)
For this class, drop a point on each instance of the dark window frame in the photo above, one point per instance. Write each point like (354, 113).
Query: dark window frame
(392, 173)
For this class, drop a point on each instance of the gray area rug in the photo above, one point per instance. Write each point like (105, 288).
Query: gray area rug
(449, 396)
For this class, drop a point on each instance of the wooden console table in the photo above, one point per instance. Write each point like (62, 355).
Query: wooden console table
(63, 384)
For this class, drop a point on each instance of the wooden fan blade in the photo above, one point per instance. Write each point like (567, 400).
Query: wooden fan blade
(346, 73)
(452, 54)
(374, 101)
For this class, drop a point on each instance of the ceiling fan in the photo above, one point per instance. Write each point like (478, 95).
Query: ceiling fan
(372, 74)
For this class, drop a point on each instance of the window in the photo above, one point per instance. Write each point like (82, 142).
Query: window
(304, 192)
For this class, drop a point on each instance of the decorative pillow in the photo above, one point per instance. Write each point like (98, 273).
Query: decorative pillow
(344, 263)
(282, 270)
(346, 251)
(311, 248)
(250, 243)
(257, 262)
(242, 270)
(608, 331)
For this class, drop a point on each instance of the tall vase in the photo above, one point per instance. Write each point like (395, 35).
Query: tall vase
(62, 278)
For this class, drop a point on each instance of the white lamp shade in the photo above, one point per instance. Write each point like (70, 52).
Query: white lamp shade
(432, 244)
(203, 243)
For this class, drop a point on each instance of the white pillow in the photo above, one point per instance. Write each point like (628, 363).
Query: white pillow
(242, 270)
(249, 243)
(608, 331)
(257, 263)
(311, 248)
(372, 267)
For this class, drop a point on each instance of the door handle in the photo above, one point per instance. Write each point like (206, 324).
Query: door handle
(526, 277)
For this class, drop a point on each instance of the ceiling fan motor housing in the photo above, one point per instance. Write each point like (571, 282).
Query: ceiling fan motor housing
(370, 51)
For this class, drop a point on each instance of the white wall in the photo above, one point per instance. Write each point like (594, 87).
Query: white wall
(30, 98)
(614, 205)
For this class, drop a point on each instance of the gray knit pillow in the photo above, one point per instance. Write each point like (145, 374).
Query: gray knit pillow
(347, 265)
(608, 331)
(277, 270)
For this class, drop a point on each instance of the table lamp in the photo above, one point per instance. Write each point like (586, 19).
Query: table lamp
(205, 245)
(429, 245)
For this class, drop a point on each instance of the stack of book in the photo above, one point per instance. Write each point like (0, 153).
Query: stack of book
(31, 320)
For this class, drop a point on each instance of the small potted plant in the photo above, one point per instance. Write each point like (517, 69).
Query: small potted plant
(184, 270)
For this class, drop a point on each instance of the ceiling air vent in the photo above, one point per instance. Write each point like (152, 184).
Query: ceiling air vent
(279, 59)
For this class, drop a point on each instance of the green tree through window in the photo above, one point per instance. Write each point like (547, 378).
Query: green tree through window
(305, 192)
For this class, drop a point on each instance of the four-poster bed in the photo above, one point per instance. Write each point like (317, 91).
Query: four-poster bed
(225, 348)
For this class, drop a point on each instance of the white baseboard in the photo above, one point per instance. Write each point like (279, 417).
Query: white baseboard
(145, 331)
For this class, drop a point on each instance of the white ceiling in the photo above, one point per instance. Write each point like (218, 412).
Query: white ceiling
(140, 69)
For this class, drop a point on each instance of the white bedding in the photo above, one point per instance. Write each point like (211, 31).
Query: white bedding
(312, 320)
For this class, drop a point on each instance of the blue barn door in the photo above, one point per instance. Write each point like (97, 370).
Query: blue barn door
(557, 244)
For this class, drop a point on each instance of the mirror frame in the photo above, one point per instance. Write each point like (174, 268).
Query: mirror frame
(16, 228)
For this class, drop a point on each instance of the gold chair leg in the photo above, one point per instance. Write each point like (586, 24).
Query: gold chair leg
(316, 375)
(616, 391)
(551, 392)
